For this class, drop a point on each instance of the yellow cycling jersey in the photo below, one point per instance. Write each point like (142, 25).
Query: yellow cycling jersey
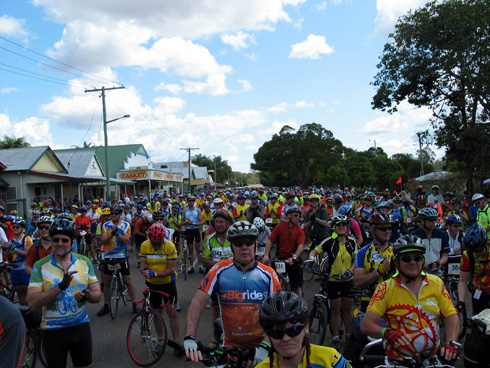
(157, 260)
(207, 216)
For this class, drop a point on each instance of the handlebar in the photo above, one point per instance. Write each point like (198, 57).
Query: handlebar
(232, 357)
(146, 294)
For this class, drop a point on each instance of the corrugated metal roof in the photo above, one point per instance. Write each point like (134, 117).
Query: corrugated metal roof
(76, 161)
(20, 159)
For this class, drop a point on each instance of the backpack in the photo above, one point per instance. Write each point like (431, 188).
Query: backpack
(365, 237)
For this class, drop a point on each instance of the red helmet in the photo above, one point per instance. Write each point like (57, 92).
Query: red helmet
(156, 233)
(380, 218)
(421, 198)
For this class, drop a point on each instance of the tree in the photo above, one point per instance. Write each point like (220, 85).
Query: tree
(440, 58)
(13, 142)
(294, 158)
(223, 170)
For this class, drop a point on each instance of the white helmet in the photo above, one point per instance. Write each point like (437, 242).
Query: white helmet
(259, 223)
(477, 196)
(217, 201)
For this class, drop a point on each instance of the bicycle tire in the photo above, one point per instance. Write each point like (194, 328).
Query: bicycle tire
(123, 290)
(29, 354)
(82, 248)
(185, 258)
(318, 322)
(40, 348)
(14, 295)
(142, 338)
(453, 292)
(114, 296)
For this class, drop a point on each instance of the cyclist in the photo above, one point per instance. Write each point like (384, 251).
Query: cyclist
(284, 318)
(32, 225)
(264, 231)
(373, 261)
(289, 196)
(355, 229)
(340, 251)
(241, 284)
(158, 258)
(435, 197)
(42, 246)
(274, 209)
(17, 250)
(483, 215)
(255, 210)
(84, 223)
(12, 333)
(216, 246)
(412, 304)
(435, 241)
(62, 284)
(290, 239)
(316, 221)
(174, 220)
(475, 270)
(240, 210)
(192, 219)
(116, 234)
(456, 210)
(455, 237)
(364, 213)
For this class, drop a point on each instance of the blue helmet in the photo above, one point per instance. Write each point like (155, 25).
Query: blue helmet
(344, 209)
(475, 238)
(454, 219)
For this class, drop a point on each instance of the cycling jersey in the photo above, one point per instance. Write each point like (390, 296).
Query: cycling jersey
(240, 295)
(276, 217)
(214, 250)
(435, 246)
(320, 357)
(483, 218)
(192, 216)
(481, 270)
(156, 260)
(318, 232)
(340, 255)
(63, 311)
(24, 243)
(206, 215)
(416, 317)
(174, 223)
(238, 209)
(287, 239)
(83, 222)
(123, 228)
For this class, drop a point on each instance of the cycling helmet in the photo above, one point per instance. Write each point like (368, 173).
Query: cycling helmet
(156, 233)
(191, 197)
(63, 226)
(293, 209)
(217, 201)
(259, 223)
(289, 195)
(340, 218)
(306, 197)
(421, 199)
(242, 229)
(74, 206)
(435, 187)
(84, 208)
(477, 197)
(175, 207)
(158, 213)
(419, 188)
(397, 198)
(282, 307)
(454, 219)
(338, 198)
(475, 238)
(205, 205)
(36, 213)
(223, 214)
(139, 206)
(47, 211)
(67, 216)
(428, 212)
(408, 243)
(55, 209)
(149, 218)
(106, 211)
(455, 201)
(116, 208)
(254, 194)
(45, 220)
(344, 209)
(450, 194)
(275, 196)
(20, 221)
(381, 219)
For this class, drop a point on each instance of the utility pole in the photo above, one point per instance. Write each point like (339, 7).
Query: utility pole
(189, 149)
(421, 136)
(104, 117)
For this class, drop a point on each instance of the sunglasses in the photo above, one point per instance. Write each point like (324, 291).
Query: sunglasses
(16, 227)
(43, 227)
(115, 213)
(341, 224)
(384, 228)
(408, 259)
(456, 225)
(62, 240)
(291, 332)
(240, 243)
(431, 220)
(296, 215)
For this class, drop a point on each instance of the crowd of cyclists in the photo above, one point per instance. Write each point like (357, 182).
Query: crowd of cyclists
(396, 247)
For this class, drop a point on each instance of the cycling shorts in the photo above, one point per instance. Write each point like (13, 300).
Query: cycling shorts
(192, 235)
(124, 268)
(156, 299)
(339, 289)
(88, 238)
(20, 277)
(77, 340)
(138, 240)
(295, 273)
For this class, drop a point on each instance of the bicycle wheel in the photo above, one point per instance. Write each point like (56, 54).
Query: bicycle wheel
(123, 290)
(185, 259)
(29, 353)
(114, 296)
(14, 295)
(145, 346)
(453, 292)
(40, 349)
(318, 322)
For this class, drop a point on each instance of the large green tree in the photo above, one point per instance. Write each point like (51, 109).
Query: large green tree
(296, 157)
(439, 57)
(13, 142)
(223, 170)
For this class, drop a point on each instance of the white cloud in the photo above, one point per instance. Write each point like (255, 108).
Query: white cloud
(277, 126)
(252, 56)
(293, 2)
(303, 104)
(169, 105)
(312, 48)
(172, 88)
(36, 131)
(299, 23)
(321, 6)
(7, 90)
(12, 27)
(281, 107)
(389, 11)
(240, 40)
(246, 86)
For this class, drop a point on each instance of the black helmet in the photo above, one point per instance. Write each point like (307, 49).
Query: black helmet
(408, 243)
(158, 213)
(282, 307)
(116, 208)
(223, 214)
(475, 238)
(242, 229)
(63, 226)
(293, 209)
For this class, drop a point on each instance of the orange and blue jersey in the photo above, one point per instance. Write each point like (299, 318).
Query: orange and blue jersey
(240, 295)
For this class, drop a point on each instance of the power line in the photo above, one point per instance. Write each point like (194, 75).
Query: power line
(30, 76)
(41, 75)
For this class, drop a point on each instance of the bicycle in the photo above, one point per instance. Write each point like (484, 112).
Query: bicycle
(6, 287)
(183, 257)
(33, 346)
(451, 280)
(118, 288)
(143, 338)
(279, 265)
(82, 247)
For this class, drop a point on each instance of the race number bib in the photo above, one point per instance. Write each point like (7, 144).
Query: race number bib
(453, 268)
(281, 267)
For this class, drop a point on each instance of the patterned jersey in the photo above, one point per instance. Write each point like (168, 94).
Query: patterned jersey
(214, 250)
(123, 228)
(320, 357)
(340, 255)
(417, 318)
(156, 260)
(481, 272)
(18, 261)
(240, 295)
(64, 311)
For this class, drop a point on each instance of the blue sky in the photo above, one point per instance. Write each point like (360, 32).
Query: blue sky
(223, 76)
